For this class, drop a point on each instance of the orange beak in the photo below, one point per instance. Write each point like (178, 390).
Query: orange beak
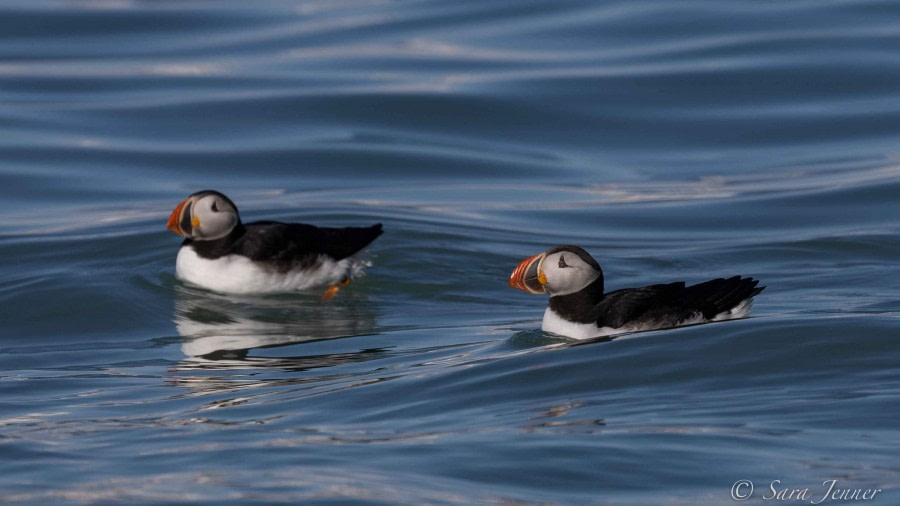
(527, 276)
(180, 219)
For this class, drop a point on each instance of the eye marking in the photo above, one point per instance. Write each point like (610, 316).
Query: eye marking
(215, 208)
(562, 262)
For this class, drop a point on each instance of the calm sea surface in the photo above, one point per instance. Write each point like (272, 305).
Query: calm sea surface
(673, 140)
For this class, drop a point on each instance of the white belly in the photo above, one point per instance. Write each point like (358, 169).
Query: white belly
(557, 325)
(238, 274)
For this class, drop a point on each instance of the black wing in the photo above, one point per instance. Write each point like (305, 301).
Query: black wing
(289, 245)
(638, 304)
(672, 303)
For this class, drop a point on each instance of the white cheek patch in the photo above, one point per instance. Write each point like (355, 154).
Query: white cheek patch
(212, 224)
(566, 280)
(215, 225)
(567, 273)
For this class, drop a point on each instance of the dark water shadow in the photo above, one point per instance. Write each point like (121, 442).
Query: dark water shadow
(535, 338)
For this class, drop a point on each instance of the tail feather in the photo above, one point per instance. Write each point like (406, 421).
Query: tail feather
(720, 295)
(343, 242)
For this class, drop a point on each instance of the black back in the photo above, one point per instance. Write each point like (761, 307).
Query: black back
(286, 246)
(665, 304)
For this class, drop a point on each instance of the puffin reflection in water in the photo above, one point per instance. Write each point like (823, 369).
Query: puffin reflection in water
(580, 309)
(223, 254)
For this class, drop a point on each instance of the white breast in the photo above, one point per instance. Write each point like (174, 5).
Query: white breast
(239, 274)
(556, 324)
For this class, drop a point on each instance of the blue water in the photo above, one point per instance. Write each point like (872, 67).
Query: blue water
(673, 140)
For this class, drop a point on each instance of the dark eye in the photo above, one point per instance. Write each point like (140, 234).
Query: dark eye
(562, 263)
(215, 208)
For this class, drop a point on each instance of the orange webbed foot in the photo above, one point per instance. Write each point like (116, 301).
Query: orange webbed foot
(330, 292)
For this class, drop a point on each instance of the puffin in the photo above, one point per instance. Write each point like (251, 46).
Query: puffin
(222, 254)
(580, 309)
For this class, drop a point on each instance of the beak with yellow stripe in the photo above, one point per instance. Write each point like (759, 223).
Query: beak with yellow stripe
(181, 220)
(528, 275)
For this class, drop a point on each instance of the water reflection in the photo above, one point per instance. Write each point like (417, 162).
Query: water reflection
(230, 332)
